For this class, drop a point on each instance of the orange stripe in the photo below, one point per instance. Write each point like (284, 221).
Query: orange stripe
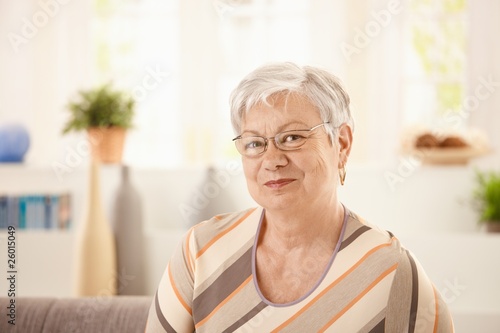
(216, 238)
(184, 304)
(333, 284)
(436, 318)
(221, 304)
(357, 298)
(188, 253)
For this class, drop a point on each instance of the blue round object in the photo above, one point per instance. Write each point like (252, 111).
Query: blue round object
(14, 142)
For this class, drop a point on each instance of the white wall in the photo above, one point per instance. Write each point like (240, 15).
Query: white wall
(484, 65)
(44, 60)
(39, 78)
(402, 197)
(426, 210)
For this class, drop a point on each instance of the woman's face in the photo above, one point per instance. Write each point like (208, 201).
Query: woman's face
(297, 179)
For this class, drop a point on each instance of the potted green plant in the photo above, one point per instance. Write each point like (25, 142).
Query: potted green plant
(486, 197)
(105, 114)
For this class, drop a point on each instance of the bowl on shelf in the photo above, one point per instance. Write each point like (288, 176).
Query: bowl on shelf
(435, 147)
(446, 155)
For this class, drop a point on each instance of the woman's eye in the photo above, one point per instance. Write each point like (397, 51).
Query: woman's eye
(293, 138)
(253, 144)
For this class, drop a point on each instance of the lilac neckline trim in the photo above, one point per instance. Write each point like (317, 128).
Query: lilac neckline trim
(327, 269)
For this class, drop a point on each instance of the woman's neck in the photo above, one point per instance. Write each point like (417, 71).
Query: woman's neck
(289, 229)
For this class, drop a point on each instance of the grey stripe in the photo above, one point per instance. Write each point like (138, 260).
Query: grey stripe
(344, 292)
(375, 322)
(225, 284)
(399, 303)
(249, 315)
(206, 232)
(353, 237)
(161, 318)
(414, 294)
(223, 266)
(380, 328)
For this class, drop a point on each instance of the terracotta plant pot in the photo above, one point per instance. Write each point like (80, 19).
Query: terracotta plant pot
(107, 143)
(493, 226)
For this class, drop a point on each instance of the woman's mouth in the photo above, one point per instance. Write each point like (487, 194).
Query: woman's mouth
(278, 183)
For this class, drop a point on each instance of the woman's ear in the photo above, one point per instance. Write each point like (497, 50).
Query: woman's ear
(344, 138)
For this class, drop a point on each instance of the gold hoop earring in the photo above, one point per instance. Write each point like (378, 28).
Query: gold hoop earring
(342, 174)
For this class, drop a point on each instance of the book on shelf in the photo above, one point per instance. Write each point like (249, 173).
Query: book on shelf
(36, 211)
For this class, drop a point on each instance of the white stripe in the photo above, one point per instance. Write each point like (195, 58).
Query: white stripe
(366, 308)
(173, 310)
(225, 247)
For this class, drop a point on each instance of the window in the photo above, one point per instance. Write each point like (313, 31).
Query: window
(182, 111)
(135, 45)
(435, 62)
(251, 33)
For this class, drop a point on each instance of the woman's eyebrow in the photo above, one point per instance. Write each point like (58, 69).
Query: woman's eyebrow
(281, 128)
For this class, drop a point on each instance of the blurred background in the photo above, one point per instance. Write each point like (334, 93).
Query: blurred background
(407, 65)
(403, 62)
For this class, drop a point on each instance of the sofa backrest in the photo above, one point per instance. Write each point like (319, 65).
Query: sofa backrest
(123, 314)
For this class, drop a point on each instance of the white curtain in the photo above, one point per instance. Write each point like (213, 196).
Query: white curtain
(374, 71)
(484, 66)
(43, 60)
(40, 73)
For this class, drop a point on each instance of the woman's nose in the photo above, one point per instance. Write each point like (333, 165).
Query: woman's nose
(274, 158)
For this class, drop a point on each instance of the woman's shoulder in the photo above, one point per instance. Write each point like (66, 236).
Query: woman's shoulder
(226, 223)
(362, 239)
(358, 227)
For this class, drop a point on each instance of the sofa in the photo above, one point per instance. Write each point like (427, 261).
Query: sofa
(123, 314)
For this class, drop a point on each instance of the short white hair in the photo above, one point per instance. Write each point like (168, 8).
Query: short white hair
(323, 89)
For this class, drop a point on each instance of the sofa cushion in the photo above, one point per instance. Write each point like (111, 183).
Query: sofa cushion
(78, 315)
(98, 314)
(30, 314)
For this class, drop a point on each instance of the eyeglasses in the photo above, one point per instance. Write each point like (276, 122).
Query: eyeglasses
(289, 140)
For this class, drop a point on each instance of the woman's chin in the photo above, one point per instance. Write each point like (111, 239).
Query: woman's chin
(282, 201)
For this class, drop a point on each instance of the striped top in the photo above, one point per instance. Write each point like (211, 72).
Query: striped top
(372, 284)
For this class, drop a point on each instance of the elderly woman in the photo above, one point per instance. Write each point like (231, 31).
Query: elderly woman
(301, 262)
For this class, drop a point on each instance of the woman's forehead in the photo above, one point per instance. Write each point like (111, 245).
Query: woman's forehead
(282, 106)
(286, 99)
(280, 115)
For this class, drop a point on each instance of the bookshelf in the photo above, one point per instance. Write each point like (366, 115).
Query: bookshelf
(46, 237)
(34, 183)
(50, 211)
(426, 212)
